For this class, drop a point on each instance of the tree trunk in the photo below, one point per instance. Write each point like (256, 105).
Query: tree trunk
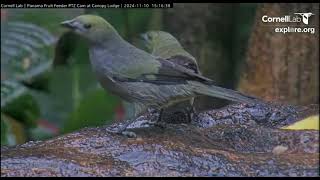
(283, 67)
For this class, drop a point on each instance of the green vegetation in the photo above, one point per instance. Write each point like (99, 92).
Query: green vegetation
(47, 85)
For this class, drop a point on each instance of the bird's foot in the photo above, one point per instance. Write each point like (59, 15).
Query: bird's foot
(123, 129)
(123, 132)
(129, 134)
(162, 125)
(157, 124)
(192, 114)
(152, 110)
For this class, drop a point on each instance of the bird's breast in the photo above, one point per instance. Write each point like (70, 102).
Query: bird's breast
(101, 64)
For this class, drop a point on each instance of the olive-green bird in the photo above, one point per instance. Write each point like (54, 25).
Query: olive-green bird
(165, 45)
(139, 77)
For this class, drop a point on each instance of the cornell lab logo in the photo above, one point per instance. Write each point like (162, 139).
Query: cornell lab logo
(291, 28)
(305, 17)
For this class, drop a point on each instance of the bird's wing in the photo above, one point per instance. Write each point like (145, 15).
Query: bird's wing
(168, 73)
(185, 61)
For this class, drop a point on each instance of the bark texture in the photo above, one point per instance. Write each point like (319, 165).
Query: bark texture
(283, 67)
(238, 140)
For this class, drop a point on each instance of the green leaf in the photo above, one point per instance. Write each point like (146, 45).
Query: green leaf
(25, 50)
(71, 49)
(138, 20)
(18, 103)
(12, 131)
(10, 90)
(4, 132)
(47, 18)
(68, 84)
(40, 133)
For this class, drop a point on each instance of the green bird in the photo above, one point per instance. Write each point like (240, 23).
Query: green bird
(139, 77)
(165, 45)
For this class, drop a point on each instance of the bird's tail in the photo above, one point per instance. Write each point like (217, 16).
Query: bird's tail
(219, 92)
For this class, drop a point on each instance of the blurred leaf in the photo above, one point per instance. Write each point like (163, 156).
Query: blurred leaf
(14, 131)
(80, 53)
(24, 109)
(68, 84)
(10, 90)
(242, 30)
(25, 50)
(156, 21)
(40, 133)
(138, 20)
(18, 103)
(26, 57)
(73, 89)
(311, 122)
(39, 82)
(47, 18)
(70, 46)
(4, 132)
(96, 108)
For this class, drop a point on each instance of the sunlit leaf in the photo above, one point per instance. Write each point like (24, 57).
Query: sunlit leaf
(311, 122)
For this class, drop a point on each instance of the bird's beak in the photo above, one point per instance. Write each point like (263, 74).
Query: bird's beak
(68, 24)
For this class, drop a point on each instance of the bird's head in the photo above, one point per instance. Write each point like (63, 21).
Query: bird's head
(92, 27)
(156, 38)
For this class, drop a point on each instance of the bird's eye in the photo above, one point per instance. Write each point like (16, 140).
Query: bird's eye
(87, 26)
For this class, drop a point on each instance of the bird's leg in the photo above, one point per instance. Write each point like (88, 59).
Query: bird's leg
(191, 113)
(158, 121)
(154, 115)
(160, 115)
(152, 110)
(122, 129)
(139, 110)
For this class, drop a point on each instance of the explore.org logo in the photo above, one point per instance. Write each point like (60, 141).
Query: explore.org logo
(299, 17)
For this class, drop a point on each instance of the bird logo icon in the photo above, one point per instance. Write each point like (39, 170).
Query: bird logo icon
(305, 17)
